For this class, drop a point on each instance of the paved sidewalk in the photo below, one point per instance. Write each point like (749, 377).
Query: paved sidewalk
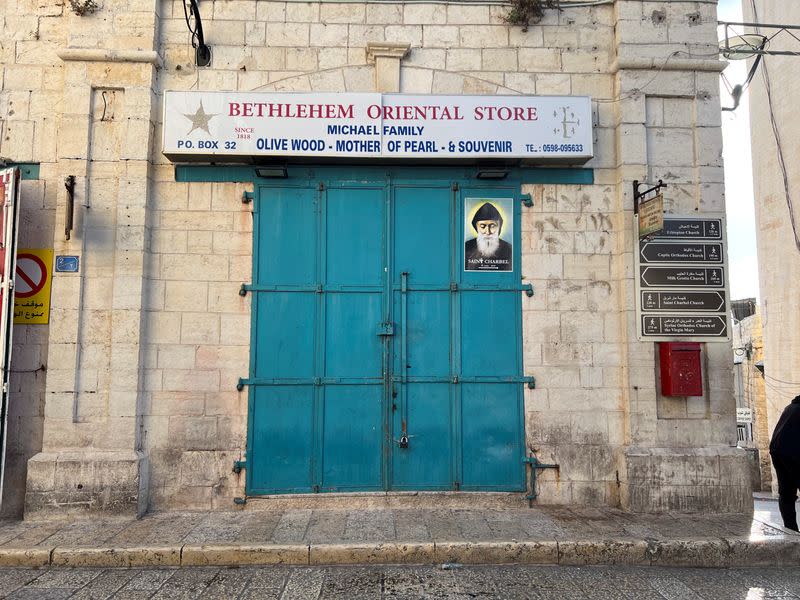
(540, 535)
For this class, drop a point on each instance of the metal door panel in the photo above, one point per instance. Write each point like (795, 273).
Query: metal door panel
(354, 236)
(490, 437)
(352, 437)
(489, 334)
(285, 332)
(362, 303)
(427, 462)
(353, 347)
(287, 240)
(282, 428)
(422, 234)
(428, 332)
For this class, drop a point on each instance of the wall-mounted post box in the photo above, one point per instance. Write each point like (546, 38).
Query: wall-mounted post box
(681, 369)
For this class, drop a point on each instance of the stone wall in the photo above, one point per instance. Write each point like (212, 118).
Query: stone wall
(147, 343)
(778, 255)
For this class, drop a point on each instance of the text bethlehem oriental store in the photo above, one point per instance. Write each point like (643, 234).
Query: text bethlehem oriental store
(376, 111)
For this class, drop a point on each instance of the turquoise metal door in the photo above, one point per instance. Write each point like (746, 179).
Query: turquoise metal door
(378, 362)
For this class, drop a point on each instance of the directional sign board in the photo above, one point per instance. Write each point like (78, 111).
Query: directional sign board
(682, 282)
(668, 252)
(683, 301)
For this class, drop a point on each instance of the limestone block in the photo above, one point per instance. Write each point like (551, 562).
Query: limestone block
(499, 59)
(200, 242)
(235, 330)
(235, 10)
(361, 35)
(221, 555)
(199, 328)
(328, 35)
(389, 14)
(430, 58)
(424, 14)
(255, 33)
(185, 404)
(223, 357)
(301, 59)
(532, 38)
(330, 81)
(458, 14)
(192, 433)
(415, 81)
(539, 60)
(184, 267)
(359, 79)
(487, 36)
(302, 12)
(444, 36)
(581, 327)
(87, 481)
(330, 58)
(288, 34)
(463, 59)
(163, 327)
(404, 34)
(342, 13)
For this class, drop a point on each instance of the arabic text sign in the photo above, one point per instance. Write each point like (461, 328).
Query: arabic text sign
(32, 286)
(244, 124)
(682, 287)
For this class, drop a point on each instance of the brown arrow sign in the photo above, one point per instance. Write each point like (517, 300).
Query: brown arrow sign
(683, 301)
(691, 277)
(662, 252)
(684, 326)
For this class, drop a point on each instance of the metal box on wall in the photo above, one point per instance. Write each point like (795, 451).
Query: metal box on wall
(681, 369)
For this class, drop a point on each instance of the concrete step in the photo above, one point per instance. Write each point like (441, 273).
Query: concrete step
(388, 500)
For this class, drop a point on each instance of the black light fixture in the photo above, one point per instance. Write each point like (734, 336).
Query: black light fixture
(273, 171)
(202, 54)
(491, 173)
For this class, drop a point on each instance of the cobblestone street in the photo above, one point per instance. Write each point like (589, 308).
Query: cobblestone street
(452, 582)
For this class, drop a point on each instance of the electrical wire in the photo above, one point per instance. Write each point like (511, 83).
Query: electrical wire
(777, 136)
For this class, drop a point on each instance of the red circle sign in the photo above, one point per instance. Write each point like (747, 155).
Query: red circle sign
(31, 275)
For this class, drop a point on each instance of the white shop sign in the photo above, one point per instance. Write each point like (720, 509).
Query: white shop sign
(744, 415)
(227, 125)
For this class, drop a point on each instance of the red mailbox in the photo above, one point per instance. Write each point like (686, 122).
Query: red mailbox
(681, 369)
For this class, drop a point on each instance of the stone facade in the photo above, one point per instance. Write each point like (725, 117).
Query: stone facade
(139, 406)
(748, 348)
(778, 256)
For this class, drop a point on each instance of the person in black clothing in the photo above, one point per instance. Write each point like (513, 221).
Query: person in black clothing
(487, 252)
(785, 452)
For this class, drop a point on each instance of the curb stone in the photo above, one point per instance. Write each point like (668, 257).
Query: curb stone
(710, 552)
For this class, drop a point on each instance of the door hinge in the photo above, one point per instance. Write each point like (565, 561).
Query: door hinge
(321, 187)
(527, 200)
(239, 465)
(531, 382)
(453, 286)
(247, 197)
(457, 485)
(454, 187)
(528, 289)
(386, 328)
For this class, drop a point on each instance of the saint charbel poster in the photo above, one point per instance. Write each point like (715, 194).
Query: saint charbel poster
(488, 234)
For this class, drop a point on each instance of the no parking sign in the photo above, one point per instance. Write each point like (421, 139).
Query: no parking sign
(32, 286)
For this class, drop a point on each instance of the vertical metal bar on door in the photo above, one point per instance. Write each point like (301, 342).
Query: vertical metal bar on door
(455, 336)
(403, 443)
